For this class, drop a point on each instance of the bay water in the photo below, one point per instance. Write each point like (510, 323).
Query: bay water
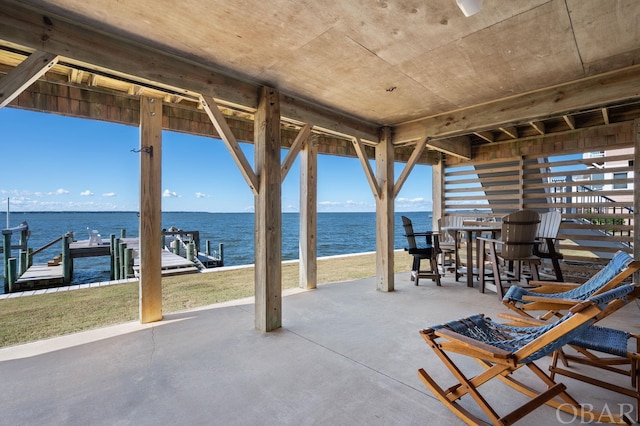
(338, 233)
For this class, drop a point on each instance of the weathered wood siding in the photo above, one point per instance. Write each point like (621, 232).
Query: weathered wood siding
(587, 175)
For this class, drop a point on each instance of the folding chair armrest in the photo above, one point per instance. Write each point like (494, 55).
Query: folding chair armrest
(473, 345)
(554, 301)
(551, 287)
(522, 321)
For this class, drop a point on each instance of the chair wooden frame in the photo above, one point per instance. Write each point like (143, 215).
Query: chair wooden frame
(429, 251)
(547, 235)
(607, 350)
(585, 353)
(517, 241)
(552, 298)
(499, 362)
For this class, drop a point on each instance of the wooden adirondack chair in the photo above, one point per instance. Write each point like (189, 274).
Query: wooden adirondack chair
(429, 250)
(449, 243)
(547, 235)
(514, 248)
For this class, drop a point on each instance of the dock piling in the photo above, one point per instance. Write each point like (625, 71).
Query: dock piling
(128, 262)
(11, 273)
(6, 250)
(67, 261)
(121, 264)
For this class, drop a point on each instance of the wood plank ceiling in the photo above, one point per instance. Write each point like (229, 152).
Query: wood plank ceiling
(420, 67)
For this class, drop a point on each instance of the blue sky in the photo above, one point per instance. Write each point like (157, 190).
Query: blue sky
(55, 163)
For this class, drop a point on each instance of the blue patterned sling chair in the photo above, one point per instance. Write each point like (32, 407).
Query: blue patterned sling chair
(552, 298)
(501, 349)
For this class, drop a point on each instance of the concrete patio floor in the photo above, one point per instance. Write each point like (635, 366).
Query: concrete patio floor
(346, 355)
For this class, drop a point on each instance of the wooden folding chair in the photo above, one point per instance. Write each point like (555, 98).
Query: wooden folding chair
(605, 349)
(502, 349)
(552, 298)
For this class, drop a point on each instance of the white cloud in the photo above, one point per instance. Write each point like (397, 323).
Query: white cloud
(86, 193)
(169, 193)
(59, 191)
(109, 194)
(200, 195)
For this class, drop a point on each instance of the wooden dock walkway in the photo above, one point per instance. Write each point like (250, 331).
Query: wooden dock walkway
(43, 275)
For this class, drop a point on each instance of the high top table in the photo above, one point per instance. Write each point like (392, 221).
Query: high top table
(470, 231)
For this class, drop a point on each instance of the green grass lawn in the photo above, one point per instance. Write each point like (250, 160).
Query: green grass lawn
(29, 318)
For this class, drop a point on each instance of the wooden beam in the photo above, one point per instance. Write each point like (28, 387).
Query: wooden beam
(23, 76)
(268, 212)
(415, 155)
(23, 25)
(605, 115)
(150, 210)
(297, 144)
(220, 123)
(459, 146)
(571, 122)
(368, 171)
(538, 126)
(487, 136)
(510, 131)
(308, 269)
(590, 92)
(385, 212)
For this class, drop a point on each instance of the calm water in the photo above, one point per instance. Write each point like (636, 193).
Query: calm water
(338, 233)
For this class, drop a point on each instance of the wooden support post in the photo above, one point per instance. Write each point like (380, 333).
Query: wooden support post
(150, 209)
(385, 212)
(268, 221)
(221, 253)
(308, 215)
(123, 233)
(437, 191)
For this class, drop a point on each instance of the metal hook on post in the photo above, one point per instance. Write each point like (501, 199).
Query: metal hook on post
(146, 149)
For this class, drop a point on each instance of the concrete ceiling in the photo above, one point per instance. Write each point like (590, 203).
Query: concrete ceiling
(517, 69)
(386, 62)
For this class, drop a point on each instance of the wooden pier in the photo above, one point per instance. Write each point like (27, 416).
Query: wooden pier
(52, 274)
(180, 255)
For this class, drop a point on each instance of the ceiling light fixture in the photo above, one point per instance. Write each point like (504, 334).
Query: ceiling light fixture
(469, 7)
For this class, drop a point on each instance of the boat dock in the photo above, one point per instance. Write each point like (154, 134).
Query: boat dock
(179, 256)
(52, 273)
